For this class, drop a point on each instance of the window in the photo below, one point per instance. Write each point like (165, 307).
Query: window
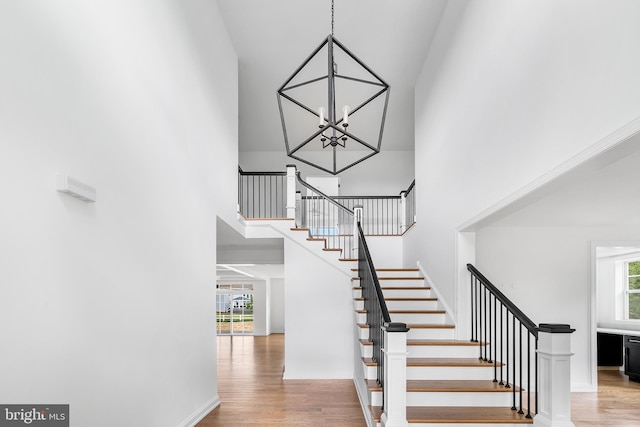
(234, 309)
(632, 290)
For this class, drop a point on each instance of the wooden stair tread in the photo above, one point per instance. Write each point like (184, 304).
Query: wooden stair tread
(381, 279)
(411, 342)
(449, 386)
(417, 311)
(299, 229)
(398, 288)
(445, 343)
(459, 414)
(420, 326)
(392, 269)
(449, 361)
(430, 326)
(468, 362)
(409, 311)
(348, 259)
(403, 299)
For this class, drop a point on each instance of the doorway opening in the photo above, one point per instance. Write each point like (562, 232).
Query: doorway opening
(234, 309)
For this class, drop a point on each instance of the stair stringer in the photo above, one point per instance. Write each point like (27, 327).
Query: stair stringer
(450, 318)
(285, 228)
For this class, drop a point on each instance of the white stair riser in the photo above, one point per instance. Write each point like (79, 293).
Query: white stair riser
(407, 293)
(451, 398)
(404, 273)
(389, 274)
(370, 372)
(366, 350)
(412, 305)
(459, 399)
(403, 305)
(363, 333)
(465, 351)
(402, 283)
(449, 373)
(418, 334)
(464, 425)
(439, 373)
(431, 334)
(430, 351)
(432, 318)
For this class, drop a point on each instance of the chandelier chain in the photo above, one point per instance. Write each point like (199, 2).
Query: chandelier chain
(332, 19)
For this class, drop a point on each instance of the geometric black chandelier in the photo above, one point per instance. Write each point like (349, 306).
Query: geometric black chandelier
(320, 128)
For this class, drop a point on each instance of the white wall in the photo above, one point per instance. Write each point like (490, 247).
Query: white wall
(277, 306)
(385, 174)
(509, 91)
(318, 317)
(111, 305)
(261, 304)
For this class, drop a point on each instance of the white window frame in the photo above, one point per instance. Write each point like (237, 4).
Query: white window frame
(626, 291)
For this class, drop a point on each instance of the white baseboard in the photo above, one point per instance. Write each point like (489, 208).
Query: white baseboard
(201, 412)
(362, 397)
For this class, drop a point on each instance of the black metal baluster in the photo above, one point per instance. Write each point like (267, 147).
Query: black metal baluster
(501, 342)
(520, 384)
(494, 344)
(536, 373)
(489, 329)
(486, 341)
(513, 317)
(528, 375)
(506, 358)
(472, 298)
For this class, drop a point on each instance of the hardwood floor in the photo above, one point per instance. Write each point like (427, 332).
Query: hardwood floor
(617, 402)
(253, 393)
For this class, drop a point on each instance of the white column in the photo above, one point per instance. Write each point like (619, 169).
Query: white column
(291, 191)
(395, 375)
(357, 217)
(403, 211)
(554, 376)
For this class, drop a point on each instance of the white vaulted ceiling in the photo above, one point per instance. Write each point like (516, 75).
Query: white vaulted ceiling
(272, 38)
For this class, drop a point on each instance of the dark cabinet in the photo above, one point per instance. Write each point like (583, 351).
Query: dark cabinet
(632, 357)
(609, 349)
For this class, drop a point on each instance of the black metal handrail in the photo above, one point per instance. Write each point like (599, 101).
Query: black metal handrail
(409, 197)
(378, 318)
(491, 314)
(408, 190)
(262, 194)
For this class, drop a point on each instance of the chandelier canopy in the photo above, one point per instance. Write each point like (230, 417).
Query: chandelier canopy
(332, 119)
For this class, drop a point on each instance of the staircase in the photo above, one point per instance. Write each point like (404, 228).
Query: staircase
(447, 383)
(431, 379)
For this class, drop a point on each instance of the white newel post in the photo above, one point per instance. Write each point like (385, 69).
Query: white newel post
(395, 375)
(357, 216)
(554, 376)
(291, 191)
(403, 211)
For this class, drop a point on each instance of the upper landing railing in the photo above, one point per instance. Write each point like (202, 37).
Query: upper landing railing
(265, 195)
